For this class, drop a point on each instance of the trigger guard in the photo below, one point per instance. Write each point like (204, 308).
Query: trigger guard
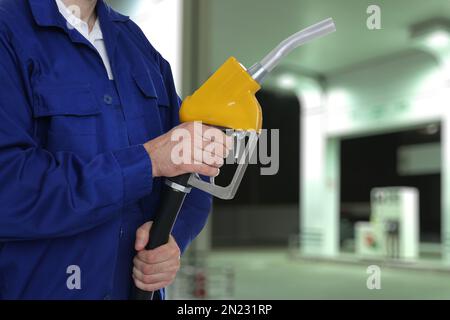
(212, 180)
(227, 192)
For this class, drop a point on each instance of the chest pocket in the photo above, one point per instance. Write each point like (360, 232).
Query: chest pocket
(70, 109)
(156, 103)
(67, 118)
(152, 87)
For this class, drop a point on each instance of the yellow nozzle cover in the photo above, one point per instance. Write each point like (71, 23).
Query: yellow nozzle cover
(227, 99)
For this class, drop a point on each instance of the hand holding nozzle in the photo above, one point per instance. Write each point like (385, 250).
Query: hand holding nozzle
(203, 150)
(226, 100)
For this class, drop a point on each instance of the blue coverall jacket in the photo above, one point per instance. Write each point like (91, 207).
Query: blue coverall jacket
(75, 179)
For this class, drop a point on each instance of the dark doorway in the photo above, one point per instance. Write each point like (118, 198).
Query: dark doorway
(376, 161)
(265, 209)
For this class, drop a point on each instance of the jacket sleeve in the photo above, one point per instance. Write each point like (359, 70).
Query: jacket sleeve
(45, 195)
(197, 206)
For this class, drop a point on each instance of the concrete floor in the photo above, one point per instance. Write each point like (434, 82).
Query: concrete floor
(272, 275)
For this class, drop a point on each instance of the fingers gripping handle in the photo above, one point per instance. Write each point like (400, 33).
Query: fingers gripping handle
(172, 200)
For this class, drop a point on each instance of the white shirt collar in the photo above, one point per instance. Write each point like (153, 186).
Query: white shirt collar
(80, 25)
(95, 37)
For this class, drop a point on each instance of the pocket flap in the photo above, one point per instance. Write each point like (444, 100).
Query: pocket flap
(152, 87)
(75, 100)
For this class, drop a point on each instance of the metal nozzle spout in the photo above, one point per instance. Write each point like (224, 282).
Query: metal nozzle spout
(261, 69)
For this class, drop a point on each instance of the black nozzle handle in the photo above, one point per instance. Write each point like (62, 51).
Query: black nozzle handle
(173, 195)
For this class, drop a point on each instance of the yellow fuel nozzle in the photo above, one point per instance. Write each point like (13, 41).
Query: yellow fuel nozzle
(227, 100)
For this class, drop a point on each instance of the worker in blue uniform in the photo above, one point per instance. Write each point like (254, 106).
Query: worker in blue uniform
(87, 106)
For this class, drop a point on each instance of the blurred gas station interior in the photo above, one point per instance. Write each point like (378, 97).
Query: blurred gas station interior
(364, 148)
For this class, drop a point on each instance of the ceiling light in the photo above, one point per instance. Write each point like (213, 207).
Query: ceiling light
(432, 35)
(438, 40)
(287, 82)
